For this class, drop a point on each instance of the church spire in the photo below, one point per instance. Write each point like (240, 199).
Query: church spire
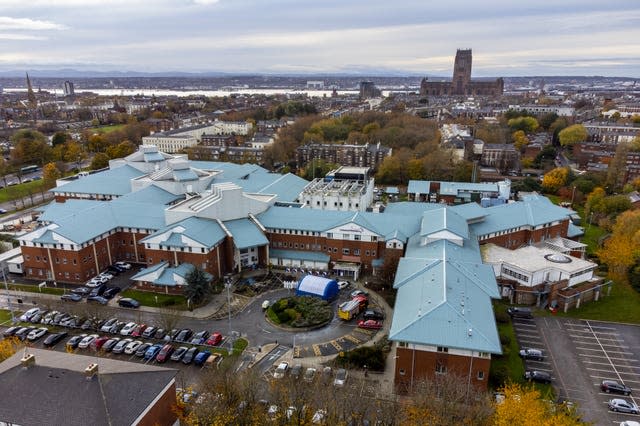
(31, 96)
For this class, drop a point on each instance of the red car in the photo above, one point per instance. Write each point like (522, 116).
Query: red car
(137, 332)
(214, 339)
(370, 324)
(165, 353)
(97, 344)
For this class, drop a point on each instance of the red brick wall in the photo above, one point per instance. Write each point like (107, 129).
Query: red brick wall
(209, 260)
(423, 364)
(519, 238)
(162, 413)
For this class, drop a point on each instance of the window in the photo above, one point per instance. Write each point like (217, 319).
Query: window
(345, 251)
(402, 372)
(366, 253)
(37, 258)
(441, 368)
(443, 349)
(480, 375)
(356, 237)
(356, 252)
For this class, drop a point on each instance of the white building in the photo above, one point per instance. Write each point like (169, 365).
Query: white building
(178, 140)
(344, 189)
(530, 265)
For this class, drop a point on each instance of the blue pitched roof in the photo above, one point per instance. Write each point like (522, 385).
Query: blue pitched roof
(532, 211)
(205, 231)
(443, 219)
(184, 175)
(311, 256)
(418, 186)
(454, 188)
(574, 231)
(245, 233)
(469, 211)
(115, 181)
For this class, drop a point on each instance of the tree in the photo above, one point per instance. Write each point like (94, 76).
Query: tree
(100, 161)
(520, 140)
(50, 174)
(8, 347)
(524, 406)
(74, 153)
(618, 167)
(572, 135)
(60, 138)
(555, 179)
(526, 124)
(197, 286)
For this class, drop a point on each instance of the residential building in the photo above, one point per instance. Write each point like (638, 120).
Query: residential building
(353, 155)
(503, 157)
(68, 88)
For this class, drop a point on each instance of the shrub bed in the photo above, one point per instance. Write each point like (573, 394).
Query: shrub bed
(300, 311)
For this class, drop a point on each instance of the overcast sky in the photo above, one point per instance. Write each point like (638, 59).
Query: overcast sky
(508, 38)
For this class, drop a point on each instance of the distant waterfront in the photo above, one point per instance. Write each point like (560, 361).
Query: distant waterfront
(208, 93)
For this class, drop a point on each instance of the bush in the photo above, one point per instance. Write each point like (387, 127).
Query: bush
(372, 357)
(502, 317)
(284, 316)
(303, 311)
(498, 376)
(505, 339)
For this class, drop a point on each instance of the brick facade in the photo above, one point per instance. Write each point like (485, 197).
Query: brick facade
(421, 364)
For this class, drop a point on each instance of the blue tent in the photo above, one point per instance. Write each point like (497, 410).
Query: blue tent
(312, 285)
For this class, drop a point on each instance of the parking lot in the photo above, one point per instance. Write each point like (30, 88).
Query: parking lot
(579, 354)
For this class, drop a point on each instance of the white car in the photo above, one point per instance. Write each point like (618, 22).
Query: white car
(119, 347)
(86, 342)
(343, 284)
(108, 325)
(319, 416)
(128, 328)
(106, 275)
(132, 347)
(26, 317)
(124, 265)
(37, 333)
(93, 283)
(341, 378)
(281, 370)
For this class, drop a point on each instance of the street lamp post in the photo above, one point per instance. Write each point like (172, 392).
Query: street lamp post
(6, 287)
(227, 284)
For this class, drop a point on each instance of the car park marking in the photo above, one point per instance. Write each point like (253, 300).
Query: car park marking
(336, 345)
(602, 356)
(353, 339)
(316, 350)
(598, 350)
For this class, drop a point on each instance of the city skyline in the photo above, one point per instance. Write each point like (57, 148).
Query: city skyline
(289, 37)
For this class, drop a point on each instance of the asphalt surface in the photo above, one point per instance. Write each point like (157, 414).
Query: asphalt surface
(579, 354)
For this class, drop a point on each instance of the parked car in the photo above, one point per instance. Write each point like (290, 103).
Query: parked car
(531, 353)
(98, 343)
(356, 293)
(341, 378)
(97, 299)
(37, 333)
(26, 317)
(371, 314)
(370, 324)
(128, 328)
(71, 297)
(612, 386)
(165, 353)
(119, 347)
(123, 265)
(326, 373)
(127, 302)
(159, 333)
(152, 351)
(139, 330)
(179, 353)
(201, 357)
(110, 292)
(623, 406)
(132, 347)
(214, 339)
(537, 376)
(188, 357)
(48, 318)
(310, 374)
(98, 290)
(23, 332)
(110, 344)
(82, 291)
(343, 284)
(108, 325)
(37, 317)
(200, 337)
(74, 341)
(84, 343)
(11, 331)
(183, 335)
(149, 332)
(113, 270)
(296, 371)
(89, 324)
(170, 335)
(516, 312)
(281, 370)
(54, 339)
(142, 349)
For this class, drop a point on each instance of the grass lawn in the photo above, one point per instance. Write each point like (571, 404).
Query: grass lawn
(36, 289)
(622, 305)
(5, 315)
(106, 129)
(147, 298)
(22, 190)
